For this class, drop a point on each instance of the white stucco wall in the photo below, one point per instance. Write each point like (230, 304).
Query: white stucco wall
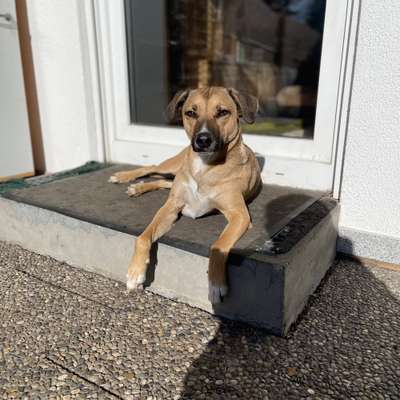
(61, 77)
(370, 192)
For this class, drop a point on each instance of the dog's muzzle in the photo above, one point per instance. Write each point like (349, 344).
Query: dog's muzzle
(206, 138)
(204, 141)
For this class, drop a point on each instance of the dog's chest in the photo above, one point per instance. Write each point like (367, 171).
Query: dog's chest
(196, 202)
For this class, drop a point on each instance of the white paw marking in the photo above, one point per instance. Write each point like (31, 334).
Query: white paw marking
(113, 179)
(135, 282)
(132, 191)
(216, 293)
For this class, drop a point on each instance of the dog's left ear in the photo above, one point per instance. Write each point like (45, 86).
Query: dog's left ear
(174, 108)
(246, 104)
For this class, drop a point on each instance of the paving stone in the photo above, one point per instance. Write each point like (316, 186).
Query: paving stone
(97, 288)
(58, 342)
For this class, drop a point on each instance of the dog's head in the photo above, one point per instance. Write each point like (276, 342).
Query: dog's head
(211, 116)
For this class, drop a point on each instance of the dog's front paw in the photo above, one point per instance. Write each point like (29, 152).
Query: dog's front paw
(135, 279)
(216, 292)
(135, 190)
(113, 179)
(120, 177)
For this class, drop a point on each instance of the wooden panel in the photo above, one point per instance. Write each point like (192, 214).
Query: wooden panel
(30, 87)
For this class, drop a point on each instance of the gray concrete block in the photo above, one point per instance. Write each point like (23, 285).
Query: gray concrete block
(269, 284)
(90, 198)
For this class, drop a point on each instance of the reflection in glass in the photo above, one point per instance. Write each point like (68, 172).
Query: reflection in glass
(270, 48)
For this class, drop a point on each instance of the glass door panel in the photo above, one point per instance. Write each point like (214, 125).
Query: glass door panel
(270, 48)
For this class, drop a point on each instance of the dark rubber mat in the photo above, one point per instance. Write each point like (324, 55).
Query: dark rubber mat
(91, 198)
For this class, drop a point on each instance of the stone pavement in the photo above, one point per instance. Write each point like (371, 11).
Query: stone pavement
(66, 333)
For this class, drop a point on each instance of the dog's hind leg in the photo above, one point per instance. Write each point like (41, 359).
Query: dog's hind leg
(161, 224)
(167, 167)
(131, 175)
(137, 189)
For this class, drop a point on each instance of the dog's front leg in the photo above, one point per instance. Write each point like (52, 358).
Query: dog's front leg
(235, 211)
(161, 223)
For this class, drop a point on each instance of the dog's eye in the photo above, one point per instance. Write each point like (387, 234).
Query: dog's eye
(222, 113)
(191, 114)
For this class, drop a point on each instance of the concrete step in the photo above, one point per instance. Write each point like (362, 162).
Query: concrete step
(89, 223)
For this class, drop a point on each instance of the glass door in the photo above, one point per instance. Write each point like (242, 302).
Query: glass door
(288, 53)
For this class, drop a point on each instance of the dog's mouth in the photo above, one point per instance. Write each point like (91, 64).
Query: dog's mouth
(208, 151)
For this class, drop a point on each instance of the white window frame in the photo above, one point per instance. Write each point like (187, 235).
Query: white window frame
(307, 163)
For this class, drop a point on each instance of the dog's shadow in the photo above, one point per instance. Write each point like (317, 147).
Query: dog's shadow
(151, 270)
(261, 161)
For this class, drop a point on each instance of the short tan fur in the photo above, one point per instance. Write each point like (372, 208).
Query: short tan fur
(216, 172)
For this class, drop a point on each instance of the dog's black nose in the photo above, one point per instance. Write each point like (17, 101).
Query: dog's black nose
(203, 141)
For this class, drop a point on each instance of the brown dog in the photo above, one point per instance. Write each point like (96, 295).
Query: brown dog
(216, 172)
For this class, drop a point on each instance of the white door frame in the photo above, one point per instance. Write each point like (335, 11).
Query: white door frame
(289, 161)
(343, 108)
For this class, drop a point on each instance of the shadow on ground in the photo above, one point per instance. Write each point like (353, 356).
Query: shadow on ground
(345, 345)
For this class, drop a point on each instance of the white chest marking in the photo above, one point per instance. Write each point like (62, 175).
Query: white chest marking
(198, 165)
(196, 203)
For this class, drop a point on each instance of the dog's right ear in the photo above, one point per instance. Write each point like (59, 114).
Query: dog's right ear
(173, 112)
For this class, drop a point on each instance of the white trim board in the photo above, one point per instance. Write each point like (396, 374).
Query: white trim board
(277, 170)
